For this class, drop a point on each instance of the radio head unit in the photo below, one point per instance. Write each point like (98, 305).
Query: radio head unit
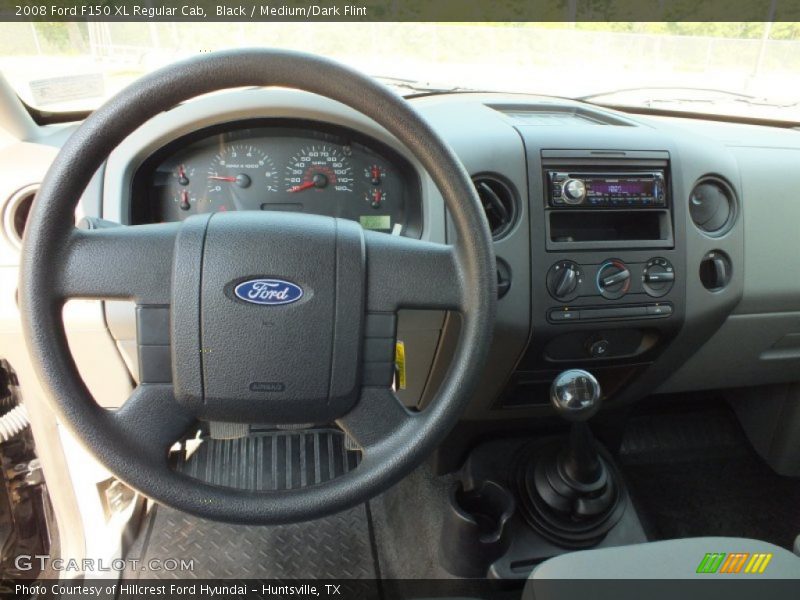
(640, 189)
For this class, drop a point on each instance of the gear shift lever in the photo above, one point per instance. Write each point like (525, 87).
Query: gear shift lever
(575, 394)
(571, 492)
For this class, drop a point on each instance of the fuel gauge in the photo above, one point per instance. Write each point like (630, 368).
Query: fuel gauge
(375, 197)
(185, 200)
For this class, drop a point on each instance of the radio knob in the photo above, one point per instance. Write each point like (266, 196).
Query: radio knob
(563, 280)
(573, 191)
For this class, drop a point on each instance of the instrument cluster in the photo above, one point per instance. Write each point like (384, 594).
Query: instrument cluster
(280, 165)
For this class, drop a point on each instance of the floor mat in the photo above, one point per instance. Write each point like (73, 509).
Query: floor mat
(271, 460)
(336, 547)
(695, 474)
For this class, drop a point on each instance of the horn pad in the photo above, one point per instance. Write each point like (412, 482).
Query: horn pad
(274, 332)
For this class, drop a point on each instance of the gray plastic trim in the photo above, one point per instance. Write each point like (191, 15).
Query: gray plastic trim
(249, 104)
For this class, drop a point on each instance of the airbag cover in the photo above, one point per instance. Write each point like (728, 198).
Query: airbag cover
(281, 296)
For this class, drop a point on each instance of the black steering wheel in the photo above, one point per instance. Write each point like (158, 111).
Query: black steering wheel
(268, 312)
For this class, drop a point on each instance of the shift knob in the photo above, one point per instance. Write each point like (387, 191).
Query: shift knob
(575, 394)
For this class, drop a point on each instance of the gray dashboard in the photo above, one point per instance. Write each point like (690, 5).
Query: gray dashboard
(746, 331)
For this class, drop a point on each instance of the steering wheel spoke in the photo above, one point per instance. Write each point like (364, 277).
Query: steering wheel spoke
(151, 420)
(378, 416)
(131, 262)
(407, 273)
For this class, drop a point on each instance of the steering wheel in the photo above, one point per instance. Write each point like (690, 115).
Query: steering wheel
(268, 312)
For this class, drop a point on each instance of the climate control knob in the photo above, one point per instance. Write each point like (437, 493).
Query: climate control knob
(563, 280)
(658, 277)
(613, 279)
(573, 191)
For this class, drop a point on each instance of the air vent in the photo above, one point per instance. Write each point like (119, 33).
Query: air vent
(499, 203)
(15, 215)
(712, 206)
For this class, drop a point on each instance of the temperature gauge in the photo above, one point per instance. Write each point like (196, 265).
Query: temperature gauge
(375, 174)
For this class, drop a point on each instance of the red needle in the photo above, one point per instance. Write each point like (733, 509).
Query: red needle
(302, 186)
(220, 178)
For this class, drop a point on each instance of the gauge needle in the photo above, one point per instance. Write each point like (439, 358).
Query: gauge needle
(182, 178)
(302, 186)
(221, 178)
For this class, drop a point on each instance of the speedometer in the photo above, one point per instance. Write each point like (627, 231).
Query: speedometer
(317, 167)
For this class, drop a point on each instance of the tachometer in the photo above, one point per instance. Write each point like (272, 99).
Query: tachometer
(239, 170)
(318, 167)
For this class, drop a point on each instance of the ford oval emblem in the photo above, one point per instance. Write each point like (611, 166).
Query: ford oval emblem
(269, 292)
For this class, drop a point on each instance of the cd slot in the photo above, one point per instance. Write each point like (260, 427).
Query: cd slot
(592, 229)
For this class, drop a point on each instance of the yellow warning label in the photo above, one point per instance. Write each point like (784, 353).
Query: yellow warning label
(400, 364)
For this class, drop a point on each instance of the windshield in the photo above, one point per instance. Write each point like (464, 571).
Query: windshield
(742, 69)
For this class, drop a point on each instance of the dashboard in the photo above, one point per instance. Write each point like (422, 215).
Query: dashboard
(615, 256)
(618, 254)
(279, 165)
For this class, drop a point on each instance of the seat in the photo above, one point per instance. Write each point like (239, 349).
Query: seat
(618, 572)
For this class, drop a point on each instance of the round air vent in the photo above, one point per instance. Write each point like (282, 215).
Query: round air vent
(15, 215)
(712, 206)
(499, 204)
